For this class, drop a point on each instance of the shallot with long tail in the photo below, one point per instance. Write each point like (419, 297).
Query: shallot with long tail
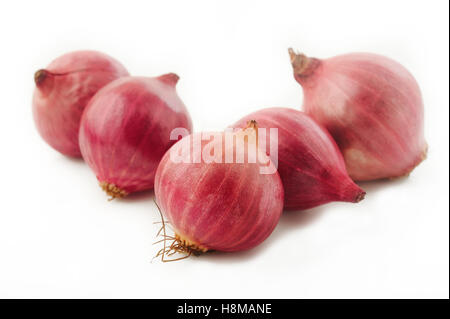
(309, 162)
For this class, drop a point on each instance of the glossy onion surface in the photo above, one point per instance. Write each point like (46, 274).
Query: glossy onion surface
(217, 206)
(309, 162)
(126, 130)
(62, 92)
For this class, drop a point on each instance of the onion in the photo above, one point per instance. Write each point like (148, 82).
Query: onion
(125, 130)
(373, 108)
(62, 92)
(213, 201)
(310, 164)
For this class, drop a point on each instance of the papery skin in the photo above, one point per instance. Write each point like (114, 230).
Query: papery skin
(62, 92)
(310, 164)
(125, 131)
(218, 206)
(373, 108)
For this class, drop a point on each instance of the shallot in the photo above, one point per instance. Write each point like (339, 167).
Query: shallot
(310, 164)
(126, 129)
(213, 200)
(373, 108)
(62, 92)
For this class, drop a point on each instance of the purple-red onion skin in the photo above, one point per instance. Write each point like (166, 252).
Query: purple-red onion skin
(373, 108)
(126, 127)
(62, 92)
(310, 164)
(218, 206)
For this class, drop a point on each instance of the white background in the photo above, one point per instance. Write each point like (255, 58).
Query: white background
(60, 237)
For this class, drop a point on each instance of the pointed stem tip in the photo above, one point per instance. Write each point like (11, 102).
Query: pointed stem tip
(169, 78)
(252, 124)
(299, 61)
(40, 76)
(292, 54)
(360, 197)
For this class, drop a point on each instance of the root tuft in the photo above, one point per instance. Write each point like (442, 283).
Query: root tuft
(178, 245)
(112, 190)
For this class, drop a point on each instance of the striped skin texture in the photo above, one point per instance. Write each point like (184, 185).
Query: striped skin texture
(62, 92)
(373, 108)
(125, 129)
(218, 206)
(310, 164)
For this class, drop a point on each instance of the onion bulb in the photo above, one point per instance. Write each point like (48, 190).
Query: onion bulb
(371, 105)
(310, 164)
(214, 201)
(126, 129)
(63, 90)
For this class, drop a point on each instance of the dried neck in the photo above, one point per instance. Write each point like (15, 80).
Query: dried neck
(40, 76)
(169, 78)
(44, 81)
(302, 65)
(250, 132)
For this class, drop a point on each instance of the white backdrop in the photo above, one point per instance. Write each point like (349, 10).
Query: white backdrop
(60, 237)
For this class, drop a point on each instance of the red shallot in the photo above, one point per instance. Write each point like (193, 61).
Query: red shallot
(373, 108)
(62, 92)
(212, 200)
(126, 129)
(310, 164)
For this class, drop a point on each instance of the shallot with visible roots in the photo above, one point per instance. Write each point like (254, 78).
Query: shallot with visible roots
(126, 129)
(310, 164)
(63, 90)
(213, 200)
(371, 105)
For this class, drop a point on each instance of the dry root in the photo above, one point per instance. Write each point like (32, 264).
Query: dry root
(175, 245)
(112, 190)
